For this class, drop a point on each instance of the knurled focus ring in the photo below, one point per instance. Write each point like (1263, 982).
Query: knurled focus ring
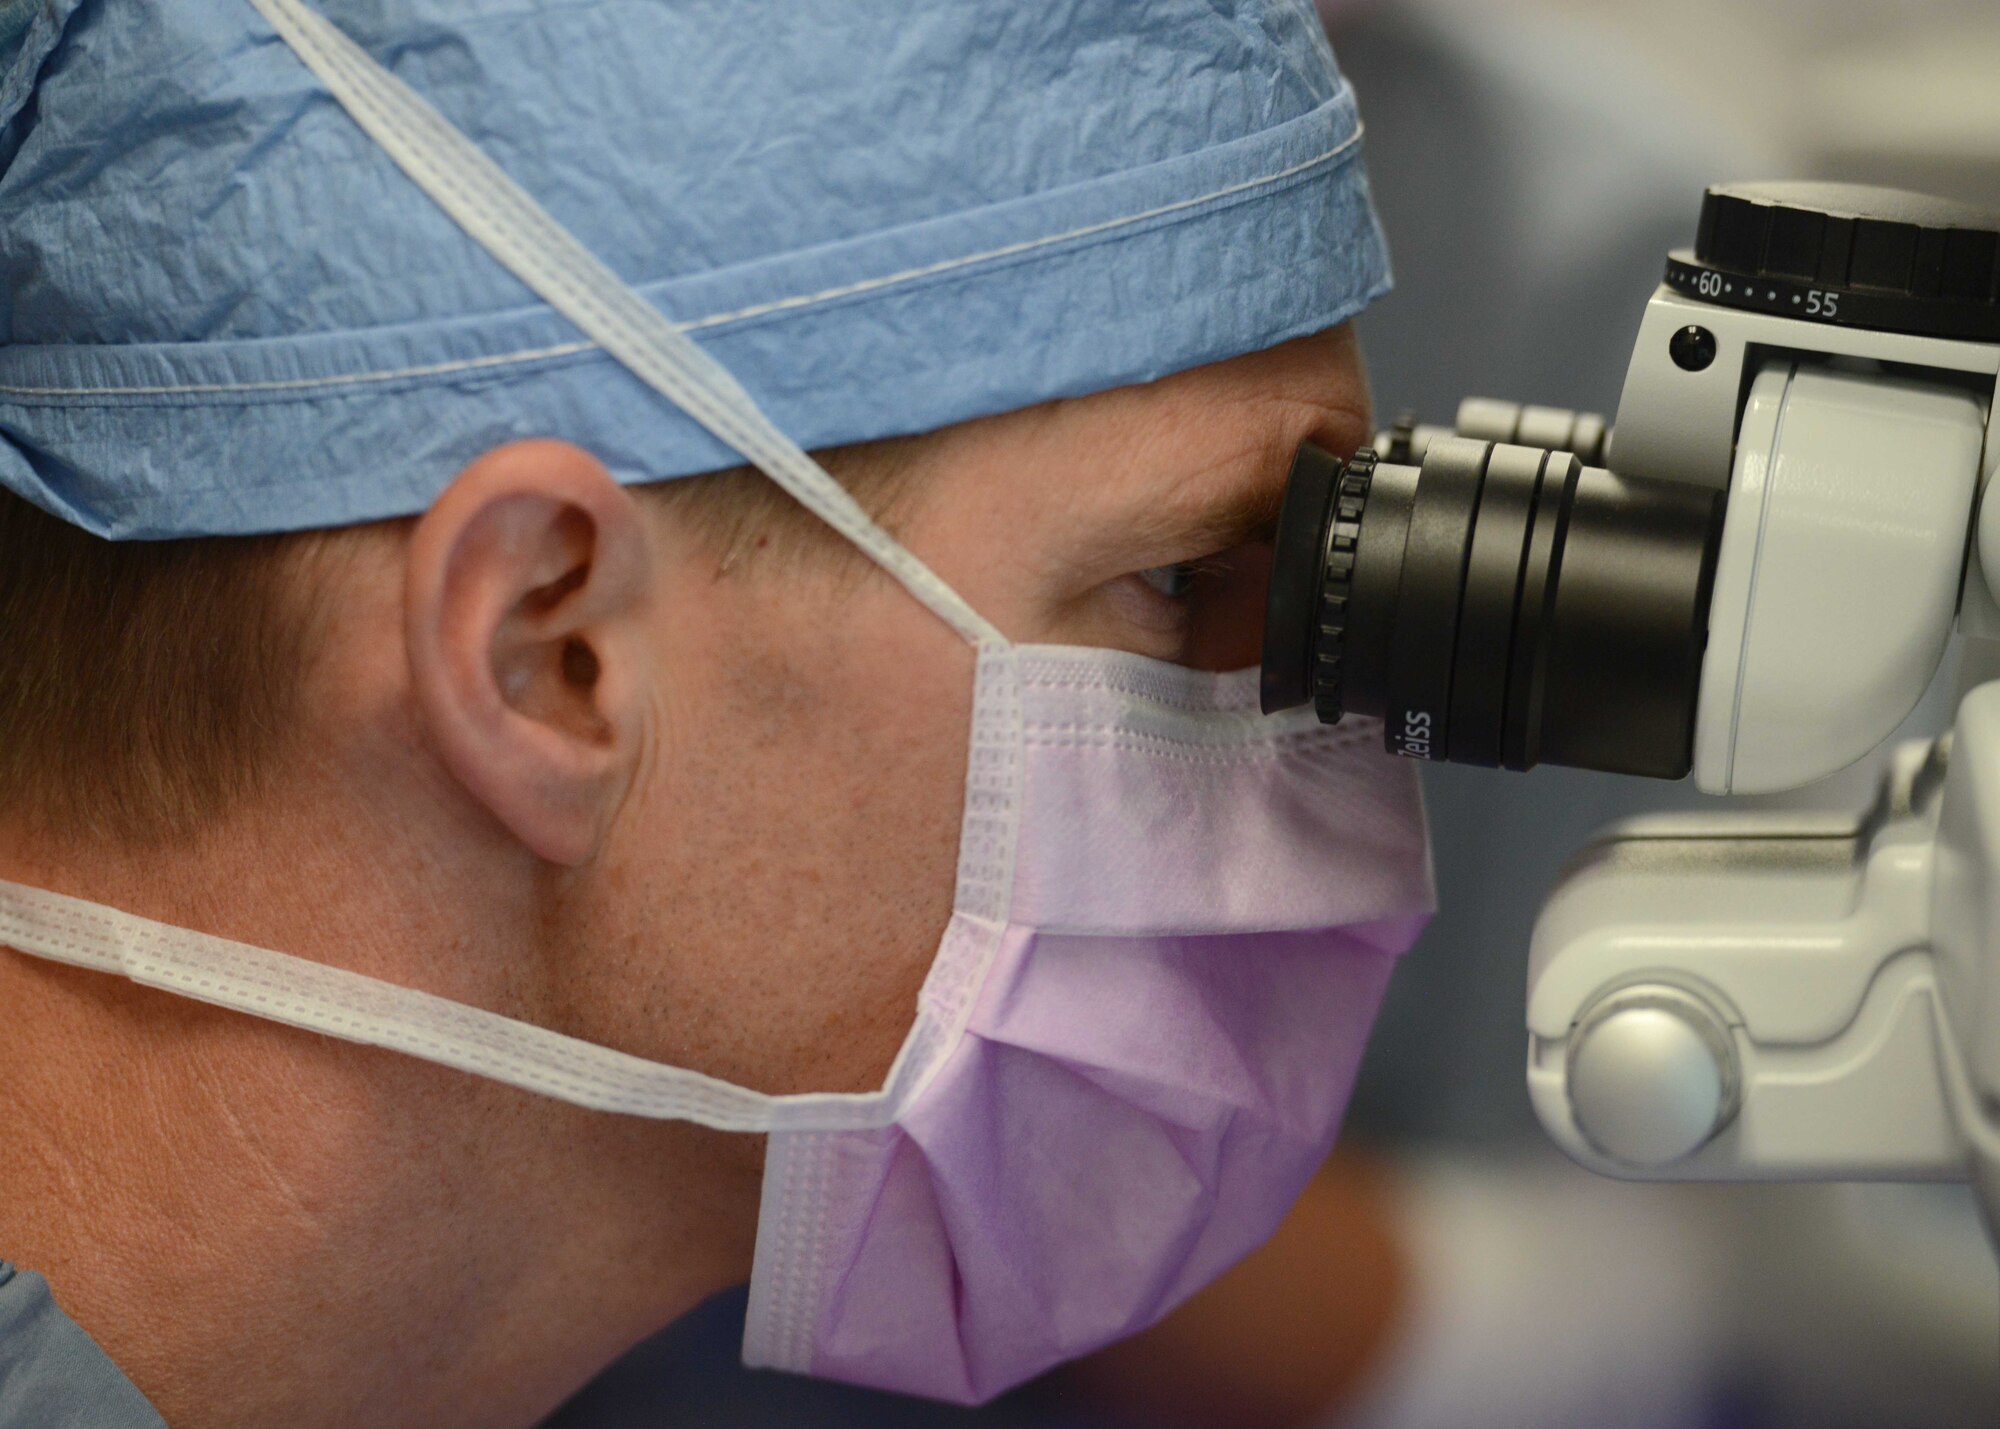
(1343, 535)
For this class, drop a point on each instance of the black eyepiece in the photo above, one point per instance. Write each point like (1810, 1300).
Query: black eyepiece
(1497, 605)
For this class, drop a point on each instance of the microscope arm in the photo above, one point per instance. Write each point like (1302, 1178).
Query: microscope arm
(1768, 997)
(1746, 997)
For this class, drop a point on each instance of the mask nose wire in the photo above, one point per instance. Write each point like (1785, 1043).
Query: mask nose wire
(504, 220)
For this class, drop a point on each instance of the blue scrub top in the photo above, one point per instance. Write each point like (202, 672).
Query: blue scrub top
(53, 1375)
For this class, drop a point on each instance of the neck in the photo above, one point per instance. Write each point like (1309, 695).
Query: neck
(262, 1226)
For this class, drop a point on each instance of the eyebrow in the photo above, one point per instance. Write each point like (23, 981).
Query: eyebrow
(1246, 511)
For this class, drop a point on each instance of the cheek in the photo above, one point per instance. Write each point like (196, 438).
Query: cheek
(799, 840)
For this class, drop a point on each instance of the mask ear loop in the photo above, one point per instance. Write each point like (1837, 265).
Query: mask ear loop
(504, 220)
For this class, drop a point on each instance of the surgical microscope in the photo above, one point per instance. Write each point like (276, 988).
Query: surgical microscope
(1753, 577)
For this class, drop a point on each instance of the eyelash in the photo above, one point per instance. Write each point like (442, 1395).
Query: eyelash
(1172, 581)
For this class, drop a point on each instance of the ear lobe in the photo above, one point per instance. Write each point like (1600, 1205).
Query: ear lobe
(526, 602)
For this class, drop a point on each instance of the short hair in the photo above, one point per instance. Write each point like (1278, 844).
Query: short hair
(147, 687)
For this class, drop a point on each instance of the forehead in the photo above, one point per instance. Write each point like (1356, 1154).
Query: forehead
(1201, 448)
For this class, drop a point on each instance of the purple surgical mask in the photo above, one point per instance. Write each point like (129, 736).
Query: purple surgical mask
(1175, 922)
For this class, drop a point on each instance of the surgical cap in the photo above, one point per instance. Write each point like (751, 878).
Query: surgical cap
(223, 310)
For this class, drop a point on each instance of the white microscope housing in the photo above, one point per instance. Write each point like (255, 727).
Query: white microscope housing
(1773, 996)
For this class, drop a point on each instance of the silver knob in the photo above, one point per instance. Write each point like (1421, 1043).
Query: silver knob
(1652, 1075)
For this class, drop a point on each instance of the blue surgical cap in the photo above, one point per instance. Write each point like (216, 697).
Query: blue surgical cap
(223, 310)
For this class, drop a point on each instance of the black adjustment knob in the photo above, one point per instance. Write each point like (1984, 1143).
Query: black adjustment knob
(1847, 254)
(1293, 611)
(1343, 536)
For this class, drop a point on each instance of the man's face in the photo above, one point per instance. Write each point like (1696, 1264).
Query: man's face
(776, 884)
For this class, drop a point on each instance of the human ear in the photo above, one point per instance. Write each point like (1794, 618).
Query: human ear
(526, 595)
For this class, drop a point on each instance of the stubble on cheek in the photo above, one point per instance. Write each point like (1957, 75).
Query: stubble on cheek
(789, 875)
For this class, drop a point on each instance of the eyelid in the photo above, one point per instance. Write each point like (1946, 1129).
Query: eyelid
(1247, 514)
(1171, 581)
(1222, 536)
(1241, 509)
(1202, 534)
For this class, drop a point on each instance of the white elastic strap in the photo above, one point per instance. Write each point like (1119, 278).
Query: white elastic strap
(497, 214)
(357, 1008)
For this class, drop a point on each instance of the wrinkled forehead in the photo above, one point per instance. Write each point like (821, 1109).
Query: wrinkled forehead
(225, 311)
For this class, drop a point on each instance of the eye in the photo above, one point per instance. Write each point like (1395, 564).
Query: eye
(1170, 581)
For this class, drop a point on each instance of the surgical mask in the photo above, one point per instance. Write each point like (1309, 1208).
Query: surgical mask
(1173, 925)
(1175, 921)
